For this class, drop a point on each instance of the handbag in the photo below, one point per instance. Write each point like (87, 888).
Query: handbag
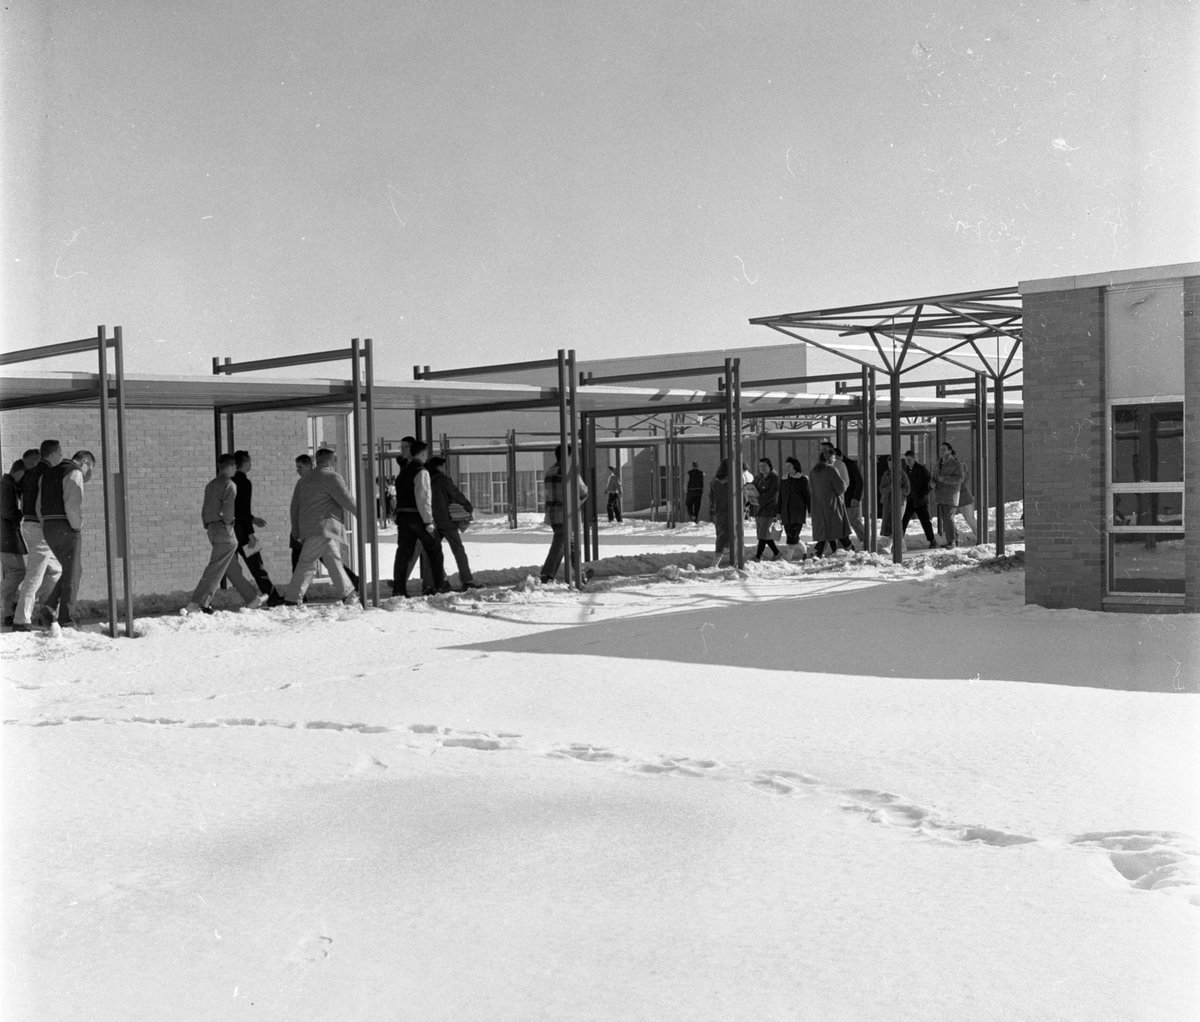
(776, 531)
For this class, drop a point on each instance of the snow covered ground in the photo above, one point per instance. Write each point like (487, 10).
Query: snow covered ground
(834, 790)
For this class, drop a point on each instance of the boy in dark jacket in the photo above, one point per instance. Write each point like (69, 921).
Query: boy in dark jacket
(446, 493)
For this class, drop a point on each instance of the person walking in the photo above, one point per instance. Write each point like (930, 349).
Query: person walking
(217, 512)
(794, 501)
(886, 482)
(427, 580)
(556, 511)
(415, 526)
(947, 480)
(12, 546)
(854, 495)
(304, 464)
(718, 512)
(920, 483)
(60, 507)
(446, 493)
(245, 521)
(42, 570)
(766, 483)
(830, 523)
(320, 503)
(695, 493)
(613, 489)
(966, 502)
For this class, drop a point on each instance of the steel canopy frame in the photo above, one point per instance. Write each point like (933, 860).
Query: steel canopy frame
(361, 400)
(953, 324)
(119, 479)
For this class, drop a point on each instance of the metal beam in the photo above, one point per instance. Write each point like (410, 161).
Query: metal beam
(450, 374)
(228, 368)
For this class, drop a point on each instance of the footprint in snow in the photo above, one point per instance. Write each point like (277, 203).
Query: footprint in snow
(1151, 860)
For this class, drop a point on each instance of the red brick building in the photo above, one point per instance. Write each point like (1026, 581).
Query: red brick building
(1112, 440)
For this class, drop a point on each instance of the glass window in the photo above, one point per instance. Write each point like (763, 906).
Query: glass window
(1153, 508)
(1146, 562)
(1147, 443)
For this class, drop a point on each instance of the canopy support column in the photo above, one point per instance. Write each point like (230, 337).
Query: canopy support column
(981, 458)
(897, 495)
(999, 413)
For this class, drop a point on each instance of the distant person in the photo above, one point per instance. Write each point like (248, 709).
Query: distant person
(695, 493)
(12, 546)
(766, 485)
(613, 489)
(216, 515)
(947, 480)
(321, 504)
(304, 464)
(794, 501)
(42, 570)
(444, 494)
(749, 493)
(427, 582)
(854, 495)
(920, 483)
(966, 502)
(830, 523)
(245, 521)
(718, 511)
(556, 514)
(415, 525)
(886, 482)
(832, 458)
(60, 507)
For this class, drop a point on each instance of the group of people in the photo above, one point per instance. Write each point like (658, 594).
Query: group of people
(41, 504)
(832, 497)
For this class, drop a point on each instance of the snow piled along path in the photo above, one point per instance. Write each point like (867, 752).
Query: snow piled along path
(849, 792)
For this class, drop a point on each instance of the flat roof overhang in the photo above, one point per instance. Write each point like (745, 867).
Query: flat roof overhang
(248, 393)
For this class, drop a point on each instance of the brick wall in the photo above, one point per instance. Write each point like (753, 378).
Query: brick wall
(170, 456)
(1191, 441)
(1064, 448)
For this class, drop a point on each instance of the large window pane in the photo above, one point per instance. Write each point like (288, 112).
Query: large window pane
(1147, 443)
(1155, 508)
(1145, 562)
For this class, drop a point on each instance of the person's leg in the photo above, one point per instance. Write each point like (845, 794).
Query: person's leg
(555, 555)
(224, 550)
(454, 538)
(926, 524)
(40, 566)
(330, 554)
(968, 513)
(306, 569)
(432, 548)
(66, 544)
(773, 548)
(759, 551)
(946, 520)
(854, 510)
(13, 567)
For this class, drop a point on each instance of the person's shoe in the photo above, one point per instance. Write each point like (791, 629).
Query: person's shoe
(758, 560)
(289, 603)
(276, 599)
(18, 627)
(351, 600)
(588, 574)
(43, 616)
(471, 585)
(259, 601)
(546, 580)
(190, 609)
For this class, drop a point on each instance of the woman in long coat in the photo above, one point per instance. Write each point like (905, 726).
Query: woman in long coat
(794, 500)
(830, 523)
(885, 493)
(718, 509)
(947, 481)
(966, 502)
(766, 483)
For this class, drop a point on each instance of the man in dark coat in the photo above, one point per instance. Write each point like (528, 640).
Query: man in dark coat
(12, 546)
(918, 497)
(695, 493)
(446, 493)
(415, 526)
(244, 522)
(854, 494)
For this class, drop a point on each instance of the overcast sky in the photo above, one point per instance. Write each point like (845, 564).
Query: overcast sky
(491, 181)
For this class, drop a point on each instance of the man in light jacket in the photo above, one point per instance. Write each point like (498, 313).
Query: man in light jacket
(556, 509)
(217, 513)
(42, 570)
(320, 503)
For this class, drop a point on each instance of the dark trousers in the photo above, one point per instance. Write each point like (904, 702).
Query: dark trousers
(454, 538)
(555, 556)
(254, 563)
(792, 531)
(67, 545)
(922, 513)
(412, 534)
(614, 507)
(691, 504)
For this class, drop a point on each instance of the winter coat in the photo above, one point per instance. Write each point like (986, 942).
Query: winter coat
(320, 503)
(446, 493)
(947, 480)
(829, 519)
(794, 500)
(718, 502)
(854, 487)
(885, 488)
(555, 490)
(10, 513)
(919, 483)
(695, 481)
(965, 497)
(767, 487)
